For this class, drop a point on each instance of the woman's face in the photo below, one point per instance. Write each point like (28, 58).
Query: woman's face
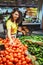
(15, 15)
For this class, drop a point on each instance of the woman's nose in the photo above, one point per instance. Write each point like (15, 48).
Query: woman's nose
(17, 16)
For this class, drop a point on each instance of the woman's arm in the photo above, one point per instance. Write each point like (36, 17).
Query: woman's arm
(8, 25)
(20, 30)
(9, 35)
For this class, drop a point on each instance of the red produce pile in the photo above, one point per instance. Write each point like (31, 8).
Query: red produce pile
(14, 54)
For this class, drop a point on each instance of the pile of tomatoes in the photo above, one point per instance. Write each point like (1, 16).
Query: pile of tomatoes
(14, 54)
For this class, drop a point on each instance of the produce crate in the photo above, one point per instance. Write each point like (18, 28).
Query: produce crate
(35, 46)
(2, 47)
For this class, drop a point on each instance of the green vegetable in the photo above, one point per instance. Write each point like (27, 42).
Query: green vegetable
(34, 49)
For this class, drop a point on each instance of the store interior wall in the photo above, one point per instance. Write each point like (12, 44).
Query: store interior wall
(42, 16)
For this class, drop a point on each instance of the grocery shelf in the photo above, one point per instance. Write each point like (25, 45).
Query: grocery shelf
(8, 4)
(25, 23)
(38, 32)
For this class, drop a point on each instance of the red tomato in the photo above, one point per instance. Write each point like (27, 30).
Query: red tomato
(5, 64)
(19, 57)
(5, 41)
(17, 51)
(6, 52)
(15, 55)
(28, 59)
(20, 51)
(4, 59)
(2, 52)
(30, 64)
(24, 63)
(8, 57)
(15, 60)
(19, 62)
(12, 59)
(1, 61)
(23, 59)
(0, 39)
(1, 64)
(0, 58)
(9, 63)
(23, 53)
(27, 64)
(19, 54)
(22, 56)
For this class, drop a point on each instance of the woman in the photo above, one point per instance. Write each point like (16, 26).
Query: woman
(12, 24)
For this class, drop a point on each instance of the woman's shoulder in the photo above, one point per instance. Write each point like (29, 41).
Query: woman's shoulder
(9, 21)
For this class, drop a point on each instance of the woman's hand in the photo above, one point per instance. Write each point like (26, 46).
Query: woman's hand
(11, 42)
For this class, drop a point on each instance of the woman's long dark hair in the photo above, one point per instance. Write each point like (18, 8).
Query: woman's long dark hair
(25, 13)
(20, 16)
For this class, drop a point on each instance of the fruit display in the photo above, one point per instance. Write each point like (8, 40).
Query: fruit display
(32, 11)
(34, 49)
(24, 30)
(28, 20)
(14, 54)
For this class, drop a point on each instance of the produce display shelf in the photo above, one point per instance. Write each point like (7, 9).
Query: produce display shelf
(25, 23)
(40, 33)
(35, 48)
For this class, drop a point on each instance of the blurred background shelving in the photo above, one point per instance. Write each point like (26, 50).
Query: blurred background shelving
(32, 6)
